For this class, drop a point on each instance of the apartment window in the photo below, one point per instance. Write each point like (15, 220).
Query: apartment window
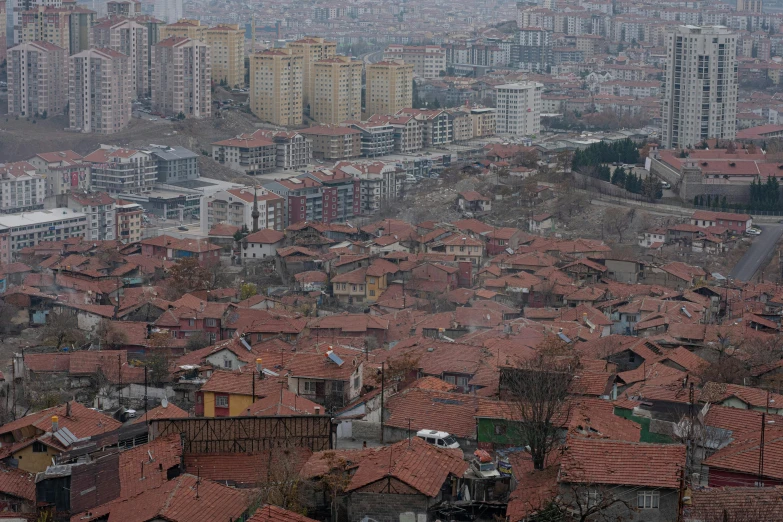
(39, 447)
(221, 401)
(648, 499)
(228, 363)
(191, 322)
(309, 386)
(211, 322)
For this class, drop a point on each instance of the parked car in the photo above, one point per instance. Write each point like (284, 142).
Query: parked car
(440, 439)
(184, 229)
(753, 231)
(666, 184)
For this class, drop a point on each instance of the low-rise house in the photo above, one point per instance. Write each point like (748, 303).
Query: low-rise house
(262, 244)
(332, 378)
(541, 223)
(625, 478)
(168, 248)
(461, 246)
(739, 223)
(472, 201)
(653, 238)
(349, 287)
(30, 442)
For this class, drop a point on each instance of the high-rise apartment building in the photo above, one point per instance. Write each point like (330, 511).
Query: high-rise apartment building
(276, 86)
(3, 16)
(66, 26)
(428, 60)
(130, 38)
(185, 29)
(181, 78)
(700, 86)
(312, 50)
(749, 6)
(227, 53)
(389, 87)
(37, 79)
(123, 8)
(532, 49)
(337, 90)
(518, 108)
(100, 91)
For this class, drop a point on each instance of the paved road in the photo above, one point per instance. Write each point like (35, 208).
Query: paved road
(758, 253)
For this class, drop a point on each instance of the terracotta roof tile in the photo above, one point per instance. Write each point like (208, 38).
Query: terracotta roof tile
(17, 483)
(612, 462)
(270, 513)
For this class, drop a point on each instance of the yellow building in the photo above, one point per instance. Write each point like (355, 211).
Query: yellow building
(311, 50)
(33, 440)
(337, 90)
(227, 52)
(276, 86)
(47, 24)
(230, 394)
(185, 29)
(389, 87)
(129, 221)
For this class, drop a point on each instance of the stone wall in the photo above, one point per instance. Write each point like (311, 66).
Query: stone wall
(386, 507)
(363, 430)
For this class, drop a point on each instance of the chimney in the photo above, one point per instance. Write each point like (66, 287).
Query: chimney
(317, 410)
(68, 409)
(55, 423)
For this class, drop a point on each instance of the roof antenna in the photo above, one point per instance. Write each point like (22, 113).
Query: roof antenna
(198, 479)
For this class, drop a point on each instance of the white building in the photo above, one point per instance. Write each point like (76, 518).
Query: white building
(21, 187)
(518, 108)
(378, 181)
(100, 209)
(235, 207)
(18, 231)
(116, 170)
(700, 86)
(100, 91)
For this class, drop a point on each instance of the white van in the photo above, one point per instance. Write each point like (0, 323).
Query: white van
(440, 439)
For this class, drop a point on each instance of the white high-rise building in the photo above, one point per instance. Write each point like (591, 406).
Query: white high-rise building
(700, 91)
(518, 108)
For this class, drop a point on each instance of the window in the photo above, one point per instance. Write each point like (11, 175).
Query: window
(648, 499)
(356, 382)
(221, 401)
(191, 322)
(39, 447)
(500, 429)
(227, 363)
(211, 322)
(309, 386)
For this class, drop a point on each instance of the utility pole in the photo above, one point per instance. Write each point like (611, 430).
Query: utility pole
(383, 385)
(145, 392)
(761, 450)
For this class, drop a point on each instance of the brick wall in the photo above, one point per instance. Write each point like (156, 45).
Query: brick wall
(385, 507)
(363, 430)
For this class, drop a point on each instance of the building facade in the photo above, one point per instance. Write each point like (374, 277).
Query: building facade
(248, 153)
(276, 86)
(131, 39)
(100, 91)
(181, 78)
(22, 189)
(428, 60)
(700, 86)
(389, 87)
(311, 50)
(518, 108)
(227, 52)
(174, 164)
(18, 231)
(63, 170)
(331, 142)
(37, 79)
(100, 210)
(128, 221)
(337, 90)
(116, 170)
(235, 207)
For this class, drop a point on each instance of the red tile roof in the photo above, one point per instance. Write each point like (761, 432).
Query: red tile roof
(741, 455)
(283, 404)
(248, 469)
(612, 462)
(17, 483)
(171, 411)
(421, 466)
(270, 513)
(145, 467)
(175, 501)
(82, 421)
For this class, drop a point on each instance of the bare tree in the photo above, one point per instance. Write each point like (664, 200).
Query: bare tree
(590, 502)
(281, 486)
(111, 335)
(61, 329)
(197, 341)
(538, 390)
(336, 480)
(157, 359)
(617, 221)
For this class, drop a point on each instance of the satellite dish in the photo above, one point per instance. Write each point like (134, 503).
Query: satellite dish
(164, 403)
